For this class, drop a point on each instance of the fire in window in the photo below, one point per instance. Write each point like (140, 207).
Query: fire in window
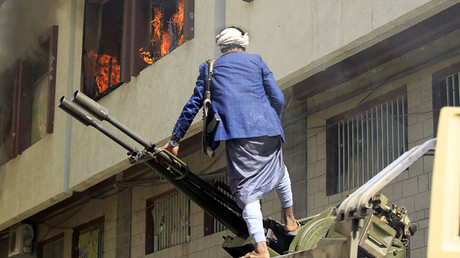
(102, 47)
(122, 37)
(166, 29)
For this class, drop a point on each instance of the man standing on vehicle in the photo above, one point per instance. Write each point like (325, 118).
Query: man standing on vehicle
(249, 102)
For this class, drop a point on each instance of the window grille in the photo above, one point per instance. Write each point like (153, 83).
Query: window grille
(91, 242)
(171, 221)
(368, 141)
(451, 84)
(221, 183)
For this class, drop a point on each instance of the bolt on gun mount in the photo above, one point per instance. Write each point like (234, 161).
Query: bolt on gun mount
(213, 201)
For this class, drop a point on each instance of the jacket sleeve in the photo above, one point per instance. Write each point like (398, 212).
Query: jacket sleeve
(192, 106)
(274, 93)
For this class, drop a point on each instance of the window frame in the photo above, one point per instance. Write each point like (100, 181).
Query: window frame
(23, 91)
(149, 220)
(332, 138)
(135, 35)
(220, 180)
(76, 230)
(439, 93)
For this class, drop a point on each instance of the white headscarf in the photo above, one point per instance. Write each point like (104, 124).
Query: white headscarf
(232, 36)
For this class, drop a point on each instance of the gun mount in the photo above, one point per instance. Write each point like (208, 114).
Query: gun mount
(350, 227)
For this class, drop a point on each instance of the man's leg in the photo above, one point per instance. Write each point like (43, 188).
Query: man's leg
(285, 195)
(253, 217)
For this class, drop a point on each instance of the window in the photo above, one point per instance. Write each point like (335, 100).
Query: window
(52, 247)
(34, 90)
(167, 221)
(364, 140)
(122, 37)
(88, 239)
(211, 225)
(166, 29)
(446, 91)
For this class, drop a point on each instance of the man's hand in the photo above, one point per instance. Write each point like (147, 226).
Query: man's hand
(173, 149)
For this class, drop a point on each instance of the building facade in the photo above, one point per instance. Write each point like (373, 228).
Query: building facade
(363, 82)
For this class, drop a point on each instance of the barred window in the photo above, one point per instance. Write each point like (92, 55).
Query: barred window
(168, 221)
(211, 225)
(364, 140)
(89, 239)
(451, 88)
(446, 91)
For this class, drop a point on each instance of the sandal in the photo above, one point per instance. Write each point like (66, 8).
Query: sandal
(293, 232)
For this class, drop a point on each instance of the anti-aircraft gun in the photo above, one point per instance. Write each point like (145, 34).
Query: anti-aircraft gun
(363, 225)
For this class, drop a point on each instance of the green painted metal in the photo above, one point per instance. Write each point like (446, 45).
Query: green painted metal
(313, 231)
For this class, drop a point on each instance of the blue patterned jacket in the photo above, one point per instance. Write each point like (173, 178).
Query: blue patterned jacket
(245, 95)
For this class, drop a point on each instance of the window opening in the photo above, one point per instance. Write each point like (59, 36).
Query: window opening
(366, 141)
(102, 47)
(41, 75)
(34, 90)
(168, 222)
(211, 225)
(166, 29)
(89, 239)
(452, 92)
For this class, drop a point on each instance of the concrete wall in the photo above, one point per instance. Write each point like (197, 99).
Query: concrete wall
(300, 38)
(35, 179)
(102, 206)
(412, 188)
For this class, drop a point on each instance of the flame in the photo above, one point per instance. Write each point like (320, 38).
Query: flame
(146, 56)
(107, 71)
(162, 39)
(178, 20)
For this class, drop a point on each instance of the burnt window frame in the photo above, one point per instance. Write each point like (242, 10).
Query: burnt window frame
(52, 240)
(135, 35)
(88, 225)
(439, 91)
(23, 91)
(332, 159)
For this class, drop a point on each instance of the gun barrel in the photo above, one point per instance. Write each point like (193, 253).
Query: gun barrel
(75, 111)
(81, 115)
(174, 170)
(103, 114)
(90, 105)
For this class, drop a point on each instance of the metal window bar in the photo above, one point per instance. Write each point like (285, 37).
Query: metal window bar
(369, 141)
(452, 90)
(171, 219)
(91, 242)
(218, 226)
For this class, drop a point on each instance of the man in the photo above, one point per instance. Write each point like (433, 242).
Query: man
(249, 103)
